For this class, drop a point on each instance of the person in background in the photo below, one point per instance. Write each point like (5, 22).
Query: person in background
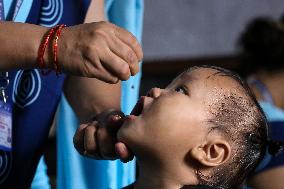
(98, 50)
(262, 58)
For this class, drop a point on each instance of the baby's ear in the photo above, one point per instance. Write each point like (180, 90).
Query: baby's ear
(214, 152)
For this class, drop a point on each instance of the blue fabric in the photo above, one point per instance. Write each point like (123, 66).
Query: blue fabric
(41, 180)
(272, 112)
(75, 171)
(275, 117)
(23, 11)
(262, 88)
(34, 98)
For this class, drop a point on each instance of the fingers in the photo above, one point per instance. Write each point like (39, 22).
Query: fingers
(100, 72)
(123, 152)
(85, 141)
(90, 145)
(97, 139)
(123, 51)
(116, 65)
(105, 144)
(125, 48)
(130, 40)
(78, 139)
(104, 51)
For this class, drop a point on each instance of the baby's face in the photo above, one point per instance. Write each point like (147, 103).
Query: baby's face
(168, 122)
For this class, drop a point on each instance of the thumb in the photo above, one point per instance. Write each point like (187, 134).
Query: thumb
(123, 152)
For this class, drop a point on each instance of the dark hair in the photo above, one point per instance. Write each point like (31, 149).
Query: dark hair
(239, 118)
(262, 45)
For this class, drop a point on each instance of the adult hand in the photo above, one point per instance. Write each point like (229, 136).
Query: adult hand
(101, 50)
(97, 139)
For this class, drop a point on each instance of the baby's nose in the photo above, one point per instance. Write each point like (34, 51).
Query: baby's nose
(155, 92)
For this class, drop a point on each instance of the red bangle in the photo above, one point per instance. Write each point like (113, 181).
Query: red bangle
(42, 47)
(55, 48)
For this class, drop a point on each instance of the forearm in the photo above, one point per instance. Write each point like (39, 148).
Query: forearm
(89, 96)
(19, 45)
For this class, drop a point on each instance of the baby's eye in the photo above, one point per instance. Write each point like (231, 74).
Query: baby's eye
(181, 89)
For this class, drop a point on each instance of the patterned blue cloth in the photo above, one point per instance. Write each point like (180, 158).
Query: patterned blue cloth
(75, 171)
(34, 97)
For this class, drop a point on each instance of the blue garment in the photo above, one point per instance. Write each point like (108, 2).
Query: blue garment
(275, 117)
(41, 180)
(75, 171)
(34, 97)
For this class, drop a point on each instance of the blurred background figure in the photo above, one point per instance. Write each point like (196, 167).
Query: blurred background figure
(262, 62)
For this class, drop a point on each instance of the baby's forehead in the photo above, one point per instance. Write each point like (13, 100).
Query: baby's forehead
(214, 83)
(211, 77)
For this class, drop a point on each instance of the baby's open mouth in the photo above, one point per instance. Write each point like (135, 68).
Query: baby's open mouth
(138, 108)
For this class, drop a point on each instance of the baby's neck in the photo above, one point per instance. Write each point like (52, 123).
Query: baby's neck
(166, 177)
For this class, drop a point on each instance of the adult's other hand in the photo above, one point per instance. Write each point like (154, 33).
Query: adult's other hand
(97, 139)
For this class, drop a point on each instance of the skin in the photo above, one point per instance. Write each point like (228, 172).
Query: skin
(94, 139)
(95, 96)
(104, 52)
(171, 135)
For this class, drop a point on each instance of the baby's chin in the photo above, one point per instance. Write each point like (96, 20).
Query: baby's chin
(128, 130)
(130, 138)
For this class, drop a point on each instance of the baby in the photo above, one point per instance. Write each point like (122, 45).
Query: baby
(205, 128)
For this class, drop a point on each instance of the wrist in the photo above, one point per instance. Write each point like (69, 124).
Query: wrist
(48, 50)
(32, 50)
(19, 45)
